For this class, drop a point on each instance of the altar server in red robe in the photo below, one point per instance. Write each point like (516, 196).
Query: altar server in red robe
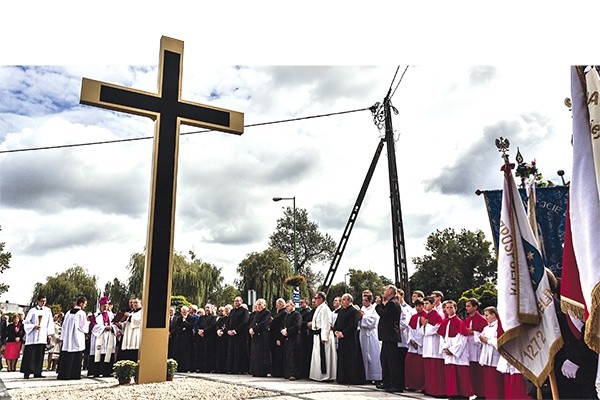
(489, 356)
(475, 323)
(433, 359)
(456, 355)
(415, 374)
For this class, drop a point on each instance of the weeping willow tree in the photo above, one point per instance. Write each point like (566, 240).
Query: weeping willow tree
(198, 281)
(265, 272)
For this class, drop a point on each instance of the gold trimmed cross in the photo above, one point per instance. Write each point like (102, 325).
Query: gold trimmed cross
(169, 111)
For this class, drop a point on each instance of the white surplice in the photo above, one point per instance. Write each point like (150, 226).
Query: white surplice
(74, 328)
(132, 330)
(370, 344)
(41, 317)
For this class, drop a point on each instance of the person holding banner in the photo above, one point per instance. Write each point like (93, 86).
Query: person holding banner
(39, 328)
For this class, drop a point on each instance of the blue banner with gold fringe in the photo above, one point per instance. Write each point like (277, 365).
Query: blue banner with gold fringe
(551, 211)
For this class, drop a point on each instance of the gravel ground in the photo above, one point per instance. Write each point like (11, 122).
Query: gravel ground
(183, 388)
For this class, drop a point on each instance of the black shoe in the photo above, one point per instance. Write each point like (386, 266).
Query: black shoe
(26, 376)
(38, 376)
(381, 386)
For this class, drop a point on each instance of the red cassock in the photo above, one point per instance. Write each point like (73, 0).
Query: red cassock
(515, 387)
(476, 322)
(435, 384)
(414, 373)
(456, 369)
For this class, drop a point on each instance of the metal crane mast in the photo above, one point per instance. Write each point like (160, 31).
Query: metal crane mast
(382, 118)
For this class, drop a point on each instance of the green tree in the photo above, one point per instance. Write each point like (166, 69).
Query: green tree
(265, 272)
(65, 287)
(457, 262)
(118, 294)
(366, 280)
(337, 290)
(135, 282)
(4, 264)
(311, 245)
(225, 295)
(487, 294)
(194, 279)
(178, 302)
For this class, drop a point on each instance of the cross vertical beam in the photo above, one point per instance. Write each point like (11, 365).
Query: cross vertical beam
(168, 111)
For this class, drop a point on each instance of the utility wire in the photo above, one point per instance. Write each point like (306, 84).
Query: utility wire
(405, 69)
(182, 134)
(392, 82)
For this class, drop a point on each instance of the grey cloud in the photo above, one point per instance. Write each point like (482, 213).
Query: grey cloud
(223, 198)
(59, 181)
(478, 165)
(481, 74)
(56, 237)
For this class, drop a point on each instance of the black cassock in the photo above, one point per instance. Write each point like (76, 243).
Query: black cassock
(183, 343)
(306, 342)
(260, 357)
(291, 345)
(206, 345)
(221, 345)
(237, 345)
(350, 368)
(277, 351)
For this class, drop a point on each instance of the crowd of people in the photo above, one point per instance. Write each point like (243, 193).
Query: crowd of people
(73, 341)
(424, 348)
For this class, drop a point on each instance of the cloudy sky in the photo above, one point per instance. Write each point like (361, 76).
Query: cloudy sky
(88, 205)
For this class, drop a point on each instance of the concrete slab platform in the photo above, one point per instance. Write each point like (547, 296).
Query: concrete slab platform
(287, 390)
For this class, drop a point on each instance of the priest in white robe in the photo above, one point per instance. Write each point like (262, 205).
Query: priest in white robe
(131, 329)
(74, 328)
(103, 341)
(369, 341)
(323, 365)
(39, 328)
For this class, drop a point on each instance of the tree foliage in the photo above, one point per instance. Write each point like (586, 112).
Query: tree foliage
(311, 245)
(178, 302)
(225, 295)
(487, 294)
(366, 280)
(4, 264)
(199, 282)
(265, 273)
(118, 293)
(336, 290)
(64, 288)
(457, 262)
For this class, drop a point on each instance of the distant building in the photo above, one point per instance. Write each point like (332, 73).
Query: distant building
(13, 308)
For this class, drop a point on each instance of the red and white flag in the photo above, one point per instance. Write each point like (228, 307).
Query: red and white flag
(580, 289)
(525, 303)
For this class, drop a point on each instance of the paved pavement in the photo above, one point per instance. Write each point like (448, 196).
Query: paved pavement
(11, 382)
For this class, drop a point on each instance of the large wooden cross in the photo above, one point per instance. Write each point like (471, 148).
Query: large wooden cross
(168, 111)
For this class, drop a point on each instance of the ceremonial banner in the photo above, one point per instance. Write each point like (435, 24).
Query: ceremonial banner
(550, 210)
(584, 203)
(525, 304)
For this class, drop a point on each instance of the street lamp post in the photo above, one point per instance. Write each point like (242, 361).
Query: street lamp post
(294, 228)
(297, 288)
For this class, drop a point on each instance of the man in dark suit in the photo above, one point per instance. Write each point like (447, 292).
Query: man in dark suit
(388, 330)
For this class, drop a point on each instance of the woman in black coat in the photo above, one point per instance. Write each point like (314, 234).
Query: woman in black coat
(15, 333)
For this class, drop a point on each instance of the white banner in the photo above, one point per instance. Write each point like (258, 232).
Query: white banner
(525, 303)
